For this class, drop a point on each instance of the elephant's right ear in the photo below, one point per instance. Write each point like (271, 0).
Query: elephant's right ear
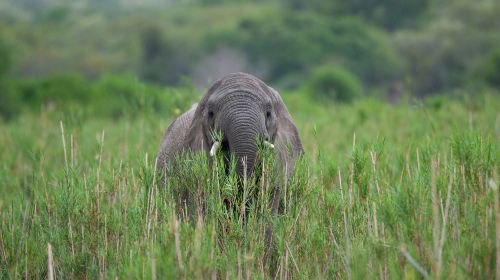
(287, 136)
(196, 139)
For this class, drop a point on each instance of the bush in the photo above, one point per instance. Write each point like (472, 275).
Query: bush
(5, 57)
(9, 103)
(492, 69)
(129, 96)
(333, 83)
(126, 93)
(113, 96)
(54, 90)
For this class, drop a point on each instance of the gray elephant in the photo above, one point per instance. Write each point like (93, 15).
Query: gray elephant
(244, 109)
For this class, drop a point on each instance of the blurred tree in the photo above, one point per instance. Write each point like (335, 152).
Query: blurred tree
(492, 68)
(32, 6)
(5, 57)
(56, 14)
(297, 42)
(163, 61)
(8, 100)
(449, 51)
(390, 14)
(318, 6)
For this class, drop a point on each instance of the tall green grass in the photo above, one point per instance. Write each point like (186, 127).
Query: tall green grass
(384, 191)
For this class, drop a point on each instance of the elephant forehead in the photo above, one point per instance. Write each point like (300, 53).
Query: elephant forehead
(242, 81)
(244, 96)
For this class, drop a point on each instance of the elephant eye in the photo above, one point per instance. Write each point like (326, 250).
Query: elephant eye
(210, 114)
(268, 114)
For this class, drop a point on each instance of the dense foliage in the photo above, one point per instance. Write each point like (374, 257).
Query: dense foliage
(109, 97)
(419, 47)
(294, 43)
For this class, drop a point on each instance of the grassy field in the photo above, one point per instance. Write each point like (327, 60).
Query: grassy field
(384, 191)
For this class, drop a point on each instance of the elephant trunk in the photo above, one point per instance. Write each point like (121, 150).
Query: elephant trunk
(241, 132)
(245, 152)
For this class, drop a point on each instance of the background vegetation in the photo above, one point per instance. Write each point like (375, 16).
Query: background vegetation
(415, 48)
(397, 106)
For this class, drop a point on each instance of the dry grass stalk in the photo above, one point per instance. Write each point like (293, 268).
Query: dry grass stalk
(175, 229)
(351, 183)
(435, 211)
(71, 238)
(212, 252)
(248, 264)
(373, 157)
(346, 231)
(375, 223)
(445, 219)
(408, 170)
(418, 159)
(72, 147)
(414, 263)
(105, 234)
(150, 206)
(153, 268)
(494, 185)
(262, 186)
(198, 235)
(51, 275)
(293, 259)
(285, 180)
(242, 210)
(64, 145)
(100, 154)
(240, 271)
(2, 246)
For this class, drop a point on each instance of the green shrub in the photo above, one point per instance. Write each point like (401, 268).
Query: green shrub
(9, 101)
(5, 57)
(124, 95)
(333, 83)
(58, 90)
(492, 69)
(113, 96)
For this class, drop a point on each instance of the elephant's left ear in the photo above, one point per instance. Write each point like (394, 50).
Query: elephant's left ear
(196, 140)
(287, 139)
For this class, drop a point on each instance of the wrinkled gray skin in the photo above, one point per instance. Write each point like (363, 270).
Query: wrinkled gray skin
(244, 109)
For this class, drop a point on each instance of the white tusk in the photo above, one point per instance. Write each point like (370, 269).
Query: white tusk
(269, 144)
(215, 148)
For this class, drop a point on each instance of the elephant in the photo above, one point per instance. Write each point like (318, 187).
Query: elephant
(244, 109)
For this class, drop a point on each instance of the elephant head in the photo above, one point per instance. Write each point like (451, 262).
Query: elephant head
(244, 109)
